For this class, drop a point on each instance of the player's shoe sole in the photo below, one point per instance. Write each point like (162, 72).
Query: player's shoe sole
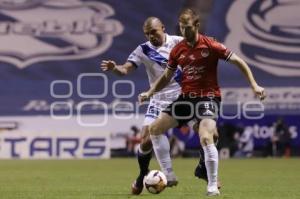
(135, 189)
(172, 183)
(138, 185)
(213, 193)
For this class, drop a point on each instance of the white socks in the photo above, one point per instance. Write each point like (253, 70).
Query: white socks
(211, 163)
(161, 147)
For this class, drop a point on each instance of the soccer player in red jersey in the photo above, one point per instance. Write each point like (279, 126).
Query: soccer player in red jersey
(197, 56)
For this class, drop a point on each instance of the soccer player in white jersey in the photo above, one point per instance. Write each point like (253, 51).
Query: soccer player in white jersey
(154, 55)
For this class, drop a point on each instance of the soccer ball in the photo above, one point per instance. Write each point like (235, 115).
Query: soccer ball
(155, 181)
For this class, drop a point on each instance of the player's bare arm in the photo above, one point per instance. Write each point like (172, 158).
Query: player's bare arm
(121, 70)
(160, 83)
(243, 66)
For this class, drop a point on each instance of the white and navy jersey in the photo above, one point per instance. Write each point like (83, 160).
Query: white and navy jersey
(155, 60)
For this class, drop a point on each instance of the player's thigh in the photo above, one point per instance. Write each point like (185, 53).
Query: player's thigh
(181, 110)
(163, 123)
(206, 111)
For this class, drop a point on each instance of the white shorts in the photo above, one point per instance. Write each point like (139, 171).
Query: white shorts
(154, 108)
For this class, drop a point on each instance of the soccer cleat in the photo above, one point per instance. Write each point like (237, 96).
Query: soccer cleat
(136, 189)
(172, 183)
(201, 173)
(171, 180)
(138, 185)
(213, 191)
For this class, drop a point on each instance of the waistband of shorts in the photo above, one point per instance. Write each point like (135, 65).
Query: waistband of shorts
(196, 95)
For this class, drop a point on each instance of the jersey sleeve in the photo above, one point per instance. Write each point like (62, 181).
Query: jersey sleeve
(221, 51)
(172, 63)
(136, 57)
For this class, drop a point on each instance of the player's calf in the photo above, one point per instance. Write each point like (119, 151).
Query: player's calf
(144, 158)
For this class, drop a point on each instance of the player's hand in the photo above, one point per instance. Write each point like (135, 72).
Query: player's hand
(107, 65)
(144, 97)
(259, 92)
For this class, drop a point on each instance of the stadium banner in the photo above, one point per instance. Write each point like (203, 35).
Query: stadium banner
(265, 34)
(47, 57)
(47, 138)
(51, 51)
(280, 101)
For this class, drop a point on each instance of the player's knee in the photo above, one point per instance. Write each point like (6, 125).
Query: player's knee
(206, 139)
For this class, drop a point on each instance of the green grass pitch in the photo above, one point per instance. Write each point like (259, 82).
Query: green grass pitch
(111, 179)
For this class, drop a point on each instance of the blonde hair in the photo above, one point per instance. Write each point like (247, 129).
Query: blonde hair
(188, 14)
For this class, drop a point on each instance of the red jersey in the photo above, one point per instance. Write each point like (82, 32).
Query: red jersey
(199, 65)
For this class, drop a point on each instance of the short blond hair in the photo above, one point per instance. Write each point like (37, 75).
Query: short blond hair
(188, 14)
